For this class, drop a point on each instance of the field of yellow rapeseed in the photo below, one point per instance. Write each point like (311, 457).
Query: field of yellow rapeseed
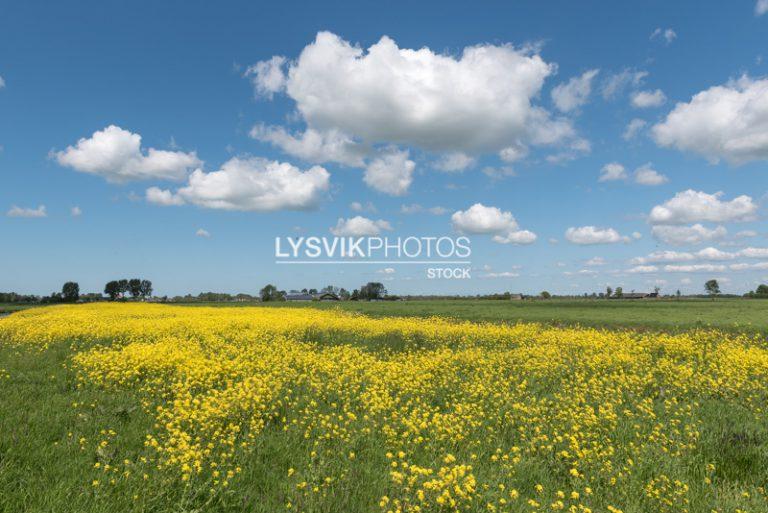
(419, 415)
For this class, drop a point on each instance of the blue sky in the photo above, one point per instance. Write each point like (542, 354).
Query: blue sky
(526, 104)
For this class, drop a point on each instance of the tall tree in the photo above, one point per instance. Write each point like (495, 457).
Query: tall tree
(270, 293)
(70, 292)
(608, 291)
(122, 287)
(112, 289)
(145, 288)
(134, 287)
(712, 288)
(619, 292)
(372, 290)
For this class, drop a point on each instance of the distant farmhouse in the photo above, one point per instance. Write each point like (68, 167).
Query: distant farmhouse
(636, 295)
(299, 297)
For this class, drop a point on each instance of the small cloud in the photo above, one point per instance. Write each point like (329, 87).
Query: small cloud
(633, 128)
(359, 226)
(611, 172)
(357, 206)
(668, 35)
(454, 162)
(27, 212)
(761, 7)
(75, 211)
(386, 270)
(504, 274)
(499, 172)
(203, 233)
(415, 208)
(648, 99)
(646, 175)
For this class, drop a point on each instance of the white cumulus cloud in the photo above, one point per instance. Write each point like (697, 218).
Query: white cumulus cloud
(477, 101)
(611, 172)
(723, 122)
(646, 175)
(647, 99)
(202, 232)
(75, 211)
(116, 155)
(252, 184)
(761, 7)
(359, 226)
(390, 173)
(696, 206)
(586, 235)
(480, 219)
(268, 76)
(684, 235)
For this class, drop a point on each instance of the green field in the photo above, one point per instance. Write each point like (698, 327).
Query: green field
(665, 314)
(731, 314)
(14, 307)
(51, 422)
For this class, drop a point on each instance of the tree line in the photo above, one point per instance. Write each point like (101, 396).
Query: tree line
(369, 291)
(136, 287)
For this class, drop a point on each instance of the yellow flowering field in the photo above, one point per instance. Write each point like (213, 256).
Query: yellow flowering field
(286, 409)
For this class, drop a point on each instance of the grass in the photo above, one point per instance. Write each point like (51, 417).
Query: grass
(44, 467)
(671, 315)
(6, 308)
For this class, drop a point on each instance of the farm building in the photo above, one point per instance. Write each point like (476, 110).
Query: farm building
(637, 295)
(299, 297)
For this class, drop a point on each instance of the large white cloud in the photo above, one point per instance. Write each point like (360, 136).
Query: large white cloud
(761, 7)
(723, 122)
(684, 235)
(585, 235)
(574, 93)
(359, 226)
(482, 100)
(480, 219)
(695, 206)
(253, 184)
(390, 173)
(116, 155)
